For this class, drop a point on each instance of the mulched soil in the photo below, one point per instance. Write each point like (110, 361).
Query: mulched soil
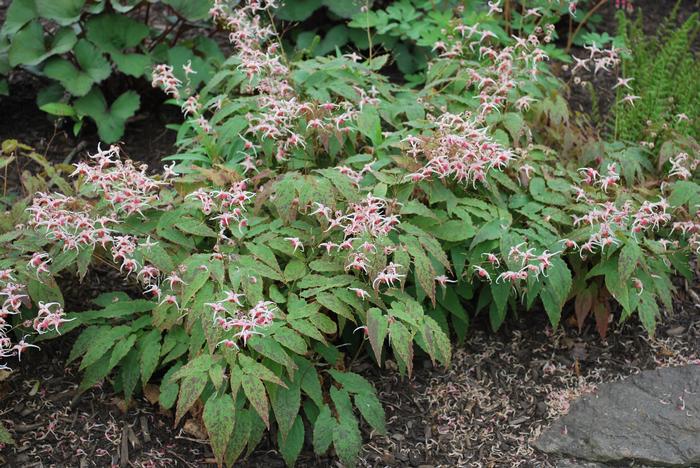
(501, 391)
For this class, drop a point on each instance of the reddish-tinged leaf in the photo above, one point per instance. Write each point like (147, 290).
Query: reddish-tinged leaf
(583, 305)
(191, 388)
(255, 392)
(219, 419)
(377, 328)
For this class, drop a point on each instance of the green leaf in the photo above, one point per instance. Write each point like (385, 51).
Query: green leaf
(437, 341)
(454, 231)
(306, 328)
(19, 13)
(101, 343)
(298, 10)
(58, 108)
(648, 310)
(332, 303)
(290, 448)
(28, 45)
(150, 354)
(196, 227)
(347, 439)
(424, 271)
(252, 367)
(169, 390)
(489, 231)
(369, 125)
(135, 65)
(199, 365)
(129, 373)
(371, 409)
(110, 122)
(557, 285)
(629, 256)
(64, 12)
(285, 405)
(255, 392)
(191, 388)
(377, 328)
(324, 427)
(121, 349)
(239, 438)
(291, 340)
(295, 269)
(94, 68)
(191, 10)
(219, 419)
(402, 344)
(95, 372)
(353, 383)
(5, 436)
(113, 33)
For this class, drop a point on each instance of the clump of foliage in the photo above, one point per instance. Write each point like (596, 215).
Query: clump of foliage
(316, 209)
(661, 70)
(87, 48)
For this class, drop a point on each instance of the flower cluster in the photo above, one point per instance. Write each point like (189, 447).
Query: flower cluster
(50, 316)
(459, 149)
(532, 265)
(244, 323)
(683, 166)
(230, 204)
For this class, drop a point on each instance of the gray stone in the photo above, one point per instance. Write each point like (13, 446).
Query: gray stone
(650, 418)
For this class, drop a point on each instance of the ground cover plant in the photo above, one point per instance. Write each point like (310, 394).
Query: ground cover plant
(89, 50)
(316, 210)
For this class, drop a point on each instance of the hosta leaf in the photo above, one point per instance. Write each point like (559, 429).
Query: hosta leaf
(255, 392)
(191, 388)
(377, 328)
(324, 428)
(219, 420)
(150, 354)
(371, 409)
(290, 448)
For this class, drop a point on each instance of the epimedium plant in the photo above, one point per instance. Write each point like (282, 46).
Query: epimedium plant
(81, 46)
